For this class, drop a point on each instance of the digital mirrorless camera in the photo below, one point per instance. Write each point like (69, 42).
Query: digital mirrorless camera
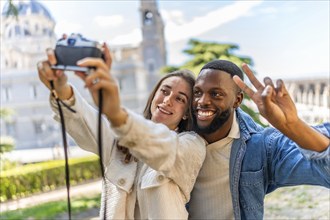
(73, 48)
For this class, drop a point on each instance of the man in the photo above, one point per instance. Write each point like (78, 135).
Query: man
(244, 161)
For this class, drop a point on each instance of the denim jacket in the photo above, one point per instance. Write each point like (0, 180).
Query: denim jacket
(263, 159)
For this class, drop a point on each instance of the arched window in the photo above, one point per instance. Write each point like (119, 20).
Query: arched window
(18, 30)
(9, 33)
(39, 126)
(6, 93)
(27, 32)
(34, 91)
(11, 128)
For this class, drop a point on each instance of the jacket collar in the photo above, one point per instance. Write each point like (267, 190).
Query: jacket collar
(247, 125)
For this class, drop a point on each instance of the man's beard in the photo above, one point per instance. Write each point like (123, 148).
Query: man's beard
(216, 123)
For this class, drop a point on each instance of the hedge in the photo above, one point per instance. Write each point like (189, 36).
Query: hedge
(42, 177)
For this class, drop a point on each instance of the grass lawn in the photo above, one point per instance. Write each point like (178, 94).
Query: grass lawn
(300, 202)
(52, 209)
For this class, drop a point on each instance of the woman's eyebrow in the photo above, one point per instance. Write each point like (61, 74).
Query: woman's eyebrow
(182, 93)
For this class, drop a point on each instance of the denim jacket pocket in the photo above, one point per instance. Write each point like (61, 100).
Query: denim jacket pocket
(251, 189)
(152, 179)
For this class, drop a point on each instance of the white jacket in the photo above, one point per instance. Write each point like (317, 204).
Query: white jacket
(160, 186)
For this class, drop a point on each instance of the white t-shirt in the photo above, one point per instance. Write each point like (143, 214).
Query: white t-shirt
(211, 197)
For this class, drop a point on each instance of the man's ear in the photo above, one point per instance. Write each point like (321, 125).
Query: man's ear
(239, 99)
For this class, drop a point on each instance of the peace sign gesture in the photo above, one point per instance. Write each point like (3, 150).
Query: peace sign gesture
(274, 103)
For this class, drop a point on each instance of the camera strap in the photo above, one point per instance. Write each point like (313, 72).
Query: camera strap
(67, 171)
(99, 139)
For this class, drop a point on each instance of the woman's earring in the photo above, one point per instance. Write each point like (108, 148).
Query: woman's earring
(184, 117)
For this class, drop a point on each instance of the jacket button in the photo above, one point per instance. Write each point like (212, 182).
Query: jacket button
(121, 181)
(160, 178)
(130, 144)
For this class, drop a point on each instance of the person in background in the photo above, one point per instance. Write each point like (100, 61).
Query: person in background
(151, 163)
(245, 161)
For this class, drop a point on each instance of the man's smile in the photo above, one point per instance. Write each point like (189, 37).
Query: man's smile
(204, 115)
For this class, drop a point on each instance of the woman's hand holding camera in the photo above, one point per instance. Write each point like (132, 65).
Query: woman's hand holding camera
(46, 74)
(100, 78)
(97, 78)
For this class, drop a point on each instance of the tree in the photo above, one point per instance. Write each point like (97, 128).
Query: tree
(12, 9)
(204, 52)
(7, 143)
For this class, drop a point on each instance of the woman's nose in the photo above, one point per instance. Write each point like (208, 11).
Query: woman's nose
(168, 100)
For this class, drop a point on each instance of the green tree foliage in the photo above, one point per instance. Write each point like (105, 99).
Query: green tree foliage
(204, 52)
(6, 142)
(12, 10)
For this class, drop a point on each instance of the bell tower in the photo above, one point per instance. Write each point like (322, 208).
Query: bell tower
(153, 43)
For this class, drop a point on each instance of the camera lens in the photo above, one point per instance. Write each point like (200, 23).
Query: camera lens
(71, 41)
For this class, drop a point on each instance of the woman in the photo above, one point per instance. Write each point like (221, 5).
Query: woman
(157, 184)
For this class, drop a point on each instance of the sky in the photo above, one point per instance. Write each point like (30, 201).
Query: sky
(285, 39)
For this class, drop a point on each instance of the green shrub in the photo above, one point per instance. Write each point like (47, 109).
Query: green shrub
(41, 177)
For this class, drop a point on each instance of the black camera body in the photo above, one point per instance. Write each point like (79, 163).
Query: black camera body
(73, 48)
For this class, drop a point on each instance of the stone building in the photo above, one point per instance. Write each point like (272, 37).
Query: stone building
(23, 44)
(312, 98)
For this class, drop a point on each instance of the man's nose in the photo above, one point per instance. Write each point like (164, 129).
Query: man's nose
(204, 100)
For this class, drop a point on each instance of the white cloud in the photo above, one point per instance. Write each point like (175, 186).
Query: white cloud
(134, 37)
(173, 16)
(213, 19)
(177, 29)
(109, 21)
(67, 27)
(268, 10)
